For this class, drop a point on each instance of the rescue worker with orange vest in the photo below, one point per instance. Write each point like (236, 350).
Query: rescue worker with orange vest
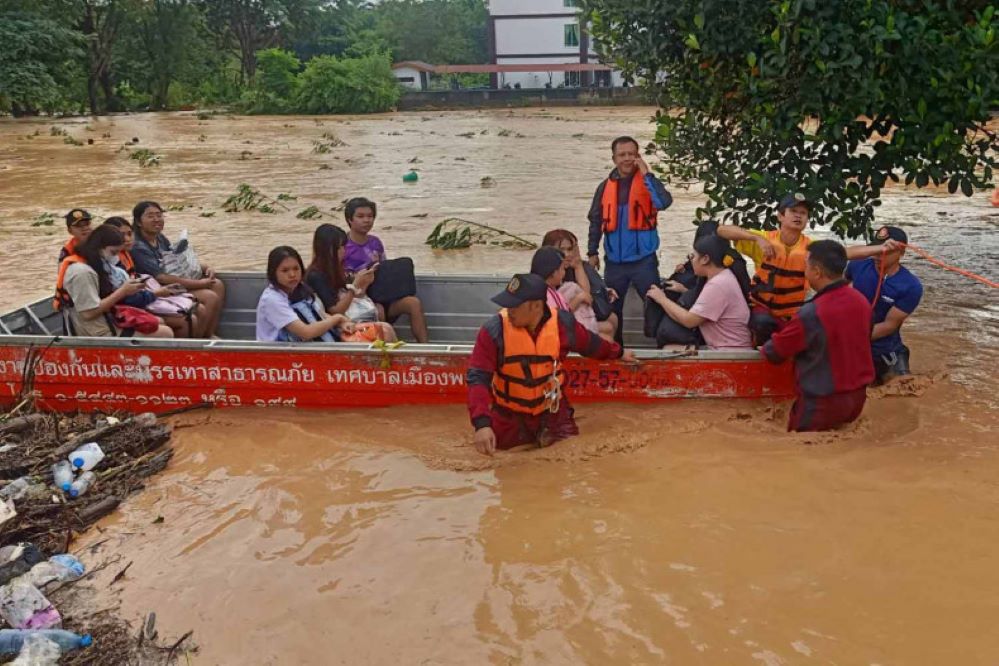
(515, 376)
(78, 225)
(625, 212)
(779, 286)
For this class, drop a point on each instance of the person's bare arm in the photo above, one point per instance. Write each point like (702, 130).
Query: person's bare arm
(675, 312)
(733, 233)
(893, 321)
(867, 251)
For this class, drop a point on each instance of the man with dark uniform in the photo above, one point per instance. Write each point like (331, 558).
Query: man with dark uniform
(515, 374)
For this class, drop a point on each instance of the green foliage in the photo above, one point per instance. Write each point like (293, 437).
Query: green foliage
(145, 157)
(832, 99)
(276, 83)
(457, 234)
(34, 56)
(347, 85)
(434, 31)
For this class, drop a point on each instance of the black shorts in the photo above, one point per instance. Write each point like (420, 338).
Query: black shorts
(890, 365)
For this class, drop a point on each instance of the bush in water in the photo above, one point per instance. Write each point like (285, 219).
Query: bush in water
(347, 85)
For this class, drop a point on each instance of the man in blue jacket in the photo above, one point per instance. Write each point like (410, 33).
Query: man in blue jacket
(625, 212)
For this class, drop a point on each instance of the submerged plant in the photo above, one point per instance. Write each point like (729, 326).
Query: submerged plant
(45, 220)
(456, 234)
(145, 157)
(310, 213)
(250, 198)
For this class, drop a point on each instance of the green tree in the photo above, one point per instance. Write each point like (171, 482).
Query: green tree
(347, 85)
(435, 31)
(276, 84)
(831, 98)
(35, 63)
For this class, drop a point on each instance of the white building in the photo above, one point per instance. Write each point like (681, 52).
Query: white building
(539, 32)
(413, 74)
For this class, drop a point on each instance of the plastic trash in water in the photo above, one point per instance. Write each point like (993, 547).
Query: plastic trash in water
(38, 650)
(411, 177)
(12, 641)
(86, 457)
(62, 475)
(83, 483)
(56, 568)
(24, 607)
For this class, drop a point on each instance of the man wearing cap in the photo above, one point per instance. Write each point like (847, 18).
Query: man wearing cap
(515, 372)
(899, 295)
(779, 285)
(625, 212)
(78, 224)
(828, 341)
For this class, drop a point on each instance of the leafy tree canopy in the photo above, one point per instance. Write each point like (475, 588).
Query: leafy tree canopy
(831, 98)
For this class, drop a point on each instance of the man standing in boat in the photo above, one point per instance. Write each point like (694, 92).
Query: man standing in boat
(625, 212)
(515, 373)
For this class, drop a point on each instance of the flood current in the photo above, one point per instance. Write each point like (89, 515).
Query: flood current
(689, 532)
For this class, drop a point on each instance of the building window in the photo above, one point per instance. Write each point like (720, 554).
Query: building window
(406, 79)
(570, 3)
(572, 34)
(572, 79)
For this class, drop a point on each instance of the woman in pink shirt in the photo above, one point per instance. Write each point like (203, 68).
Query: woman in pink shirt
(720, 312)
(549, 264)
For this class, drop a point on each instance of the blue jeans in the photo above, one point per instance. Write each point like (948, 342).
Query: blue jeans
(640, 274)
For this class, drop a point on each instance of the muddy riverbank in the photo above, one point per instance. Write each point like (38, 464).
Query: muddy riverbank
(689, 532)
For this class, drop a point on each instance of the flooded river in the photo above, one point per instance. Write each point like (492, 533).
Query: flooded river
(689, 532)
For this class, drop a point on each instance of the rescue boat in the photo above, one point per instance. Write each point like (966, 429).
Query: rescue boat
(132, 374)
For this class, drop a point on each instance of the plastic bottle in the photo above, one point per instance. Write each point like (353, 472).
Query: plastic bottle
(411, 177)
(62, 474)
(81, 485)
(86, 457)
(12, 640)
(16, 489)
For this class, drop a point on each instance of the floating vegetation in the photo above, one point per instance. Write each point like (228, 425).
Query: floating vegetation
(45, 220)
(487, 181)
(323, 147)
(204, 115)
(208, 213)
(176, 208)
(89, 128)
(334, 139)
(68, 140)
(245, 155)
(58, 131)
(286, 197)
(250, 198)
(202, 138)
(106, 135)
(310, 213)
(145, 157)
(467, 135)
(504, 132)
(456, 234)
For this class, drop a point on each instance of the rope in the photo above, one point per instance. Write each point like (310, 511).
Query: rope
(953, 269)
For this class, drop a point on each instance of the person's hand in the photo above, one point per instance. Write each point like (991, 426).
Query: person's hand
(642, 165)
(163, 292)
(680, 268)
(587, 298)
(673, 285)
(594, 260)
(209, 272)
(485, 441)
(892, 245)
(769, 251)
(612, 295)
(656, 293)
(628, 357)
(363, 279)
(130, 287)
(204, 283)
(348, 327)
(175, 288)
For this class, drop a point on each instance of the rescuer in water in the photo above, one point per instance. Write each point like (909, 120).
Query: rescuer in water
(515, 374)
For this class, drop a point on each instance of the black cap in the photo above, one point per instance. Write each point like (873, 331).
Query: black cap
(884, 233)
(546, 261)
(77, 215)
(791, 200)
(522, 287)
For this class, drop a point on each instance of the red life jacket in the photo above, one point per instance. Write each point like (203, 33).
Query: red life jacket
(642, 214)
(68, 249)
(126, 261)
(528, 378)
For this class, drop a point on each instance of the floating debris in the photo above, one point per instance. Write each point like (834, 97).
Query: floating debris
(456, 234)
(310, 213)
(487, 181)
(145, 157)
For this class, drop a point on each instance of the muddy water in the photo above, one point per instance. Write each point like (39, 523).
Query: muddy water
(694, 532)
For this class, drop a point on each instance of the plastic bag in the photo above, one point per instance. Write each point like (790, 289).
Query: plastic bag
(56, 568)
(362, 309)
(181, 260)
(24, 607)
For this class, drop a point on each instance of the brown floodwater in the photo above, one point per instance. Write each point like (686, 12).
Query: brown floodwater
(687, 532)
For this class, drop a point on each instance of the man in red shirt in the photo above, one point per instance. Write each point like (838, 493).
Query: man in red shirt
(829, 341)
(515, 373)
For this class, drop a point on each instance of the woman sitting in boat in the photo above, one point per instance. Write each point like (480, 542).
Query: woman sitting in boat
(177, 308)
(364, 251)
(149, 250)
(326, 277)
(289, 311)
(582, 286)
(720, 313)
(89, 293)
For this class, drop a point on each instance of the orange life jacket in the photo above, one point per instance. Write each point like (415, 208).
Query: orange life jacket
(126, 262)
(779, 284)
(642, 214)
(62, 298)
(529, 377)
(68, 249)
